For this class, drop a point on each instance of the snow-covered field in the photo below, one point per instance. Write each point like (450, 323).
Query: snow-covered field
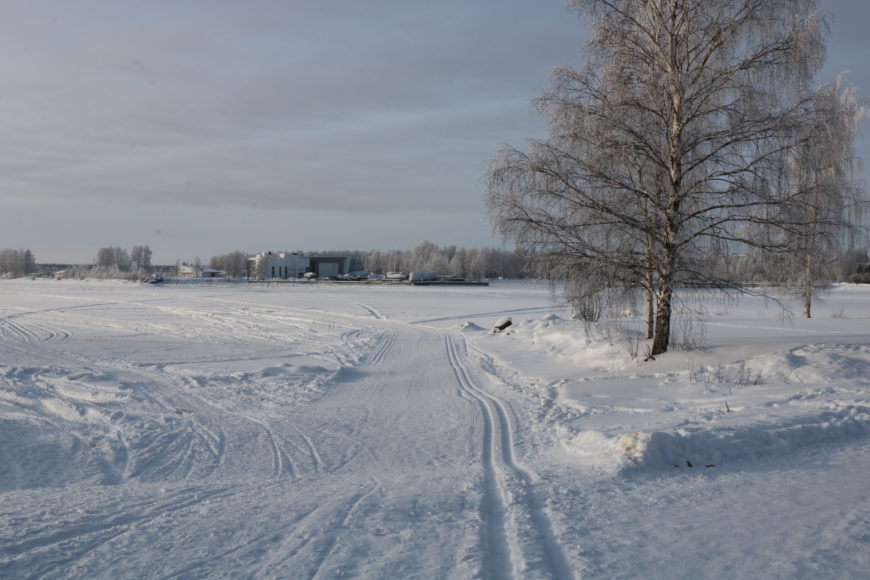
(323, 431)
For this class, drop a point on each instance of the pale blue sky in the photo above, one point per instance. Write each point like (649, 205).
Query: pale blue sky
(200, 127)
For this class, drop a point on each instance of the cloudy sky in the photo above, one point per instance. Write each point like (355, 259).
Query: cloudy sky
(201, 127)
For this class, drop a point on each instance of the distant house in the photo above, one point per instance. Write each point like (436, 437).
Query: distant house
(292, 265)
(277, 266)
(186, 270)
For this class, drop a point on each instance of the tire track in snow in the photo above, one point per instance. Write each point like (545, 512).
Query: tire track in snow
(498, 435)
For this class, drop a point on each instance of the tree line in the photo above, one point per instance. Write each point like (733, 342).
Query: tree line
(136, 263)
(116, 262)
(472, 263)
(16, 263)
(235, 264)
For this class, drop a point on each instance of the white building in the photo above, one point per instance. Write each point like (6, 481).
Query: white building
(277, 265)
(186, 270)
(290, 266)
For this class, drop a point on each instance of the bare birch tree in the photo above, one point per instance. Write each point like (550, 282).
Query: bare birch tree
(140, 256)
(112, 259)
(664, 147)
(820, 172)
(14, 263)
(234, 264)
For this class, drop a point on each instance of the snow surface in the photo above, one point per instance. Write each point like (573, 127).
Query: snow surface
(324, 431)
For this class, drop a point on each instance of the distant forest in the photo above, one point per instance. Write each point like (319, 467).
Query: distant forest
(117, 262)
(16, 263)
(473, 264)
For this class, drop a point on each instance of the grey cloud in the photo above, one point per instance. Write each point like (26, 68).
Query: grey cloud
(373, 107)
(272, 105)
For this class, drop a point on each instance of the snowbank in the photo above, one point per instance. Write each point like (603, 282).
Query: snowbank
(555, 343)
(689, 410)
(701, 448)
(769, 404)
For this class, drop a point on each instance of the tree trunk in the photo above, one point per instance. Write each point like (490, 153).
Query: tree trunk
(649, 286)
(808, 289)
(662, 335)
(650, 313)
(808, 286)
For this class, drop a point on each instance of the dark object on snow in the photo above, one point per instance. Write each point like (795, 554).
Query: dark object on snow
(688, 463)
(709, 465)
(503, 325)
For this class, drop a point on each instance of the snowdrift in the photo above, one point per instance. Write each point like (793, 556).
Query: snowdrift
(621, 415)
(700, 448)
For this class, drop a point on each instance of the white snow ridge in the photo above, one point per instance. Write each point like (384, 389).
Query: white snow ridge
(234, 431)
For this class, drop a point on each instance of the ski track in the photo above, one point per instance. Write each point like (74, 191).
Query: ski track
(283, 464)
(196, 445)
(312, 448)
(234, 434)
(63, 548)
(195, 437)
(382, 351)
(343, 517)
(276, 556)
(26, 336)
(499, 534)
(212, 437)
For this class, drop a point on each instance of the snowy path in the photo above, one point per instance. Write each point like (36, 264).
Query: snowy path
(502, 474)
(397, 464)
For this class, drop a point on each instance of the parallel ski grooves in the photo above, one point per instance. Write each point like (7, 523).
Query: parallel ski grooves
(384, 348)
(496, 418)
(495, 541)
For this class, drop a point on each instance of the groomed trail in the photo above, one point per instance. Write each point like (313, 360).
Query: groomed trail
(217, 436)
